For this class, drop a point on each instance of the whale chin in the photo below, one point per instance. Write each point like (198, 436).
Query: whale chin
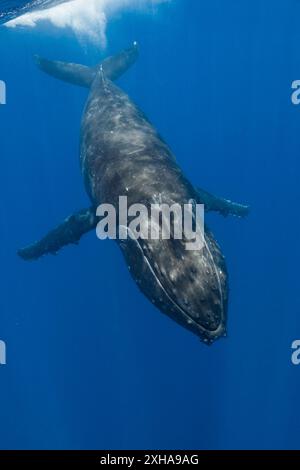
(179, 285)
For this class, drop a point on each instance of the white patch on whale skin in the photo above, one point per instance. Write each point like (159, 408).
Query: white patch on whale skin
(86, 18)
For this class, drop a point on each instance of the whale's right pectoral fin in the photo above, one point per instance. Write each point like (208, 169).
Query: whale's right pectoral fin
(69, 232)
(221, 205)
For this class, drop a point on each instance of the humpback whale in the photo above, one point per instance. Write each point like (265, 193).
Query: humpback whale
(121, 153)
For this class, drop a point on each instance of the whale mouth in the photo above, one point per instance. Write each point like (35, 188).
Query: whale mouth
(205, 295)
(207, 334)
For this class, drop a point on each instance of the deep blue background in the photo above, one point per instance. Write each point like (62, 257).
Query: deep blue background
(91, 363)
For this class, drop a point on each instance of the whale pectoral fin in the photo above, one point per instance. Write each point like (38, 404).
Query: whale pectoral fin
(69, 232)
(221, 205)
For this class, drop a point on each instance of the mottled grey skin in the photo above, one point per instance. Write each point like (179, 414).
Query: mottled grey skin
(123, 155)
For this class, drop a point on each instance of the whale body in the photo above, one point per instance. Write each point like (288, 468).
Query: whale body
(123, 154)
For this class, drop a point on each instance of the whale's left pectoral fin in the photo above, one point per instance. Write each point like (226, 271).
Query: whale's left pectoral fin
(221, 205)
(69, 232)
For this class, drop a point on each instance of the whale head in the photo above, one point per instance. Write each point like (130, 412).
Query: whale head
(188, 286)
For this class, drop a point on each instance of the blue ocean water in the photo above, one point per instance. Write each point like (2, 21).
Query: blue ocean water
(91, 364)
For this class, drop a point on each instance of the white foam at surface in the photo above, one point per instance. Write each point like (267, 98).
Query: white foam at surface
(87, 18)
